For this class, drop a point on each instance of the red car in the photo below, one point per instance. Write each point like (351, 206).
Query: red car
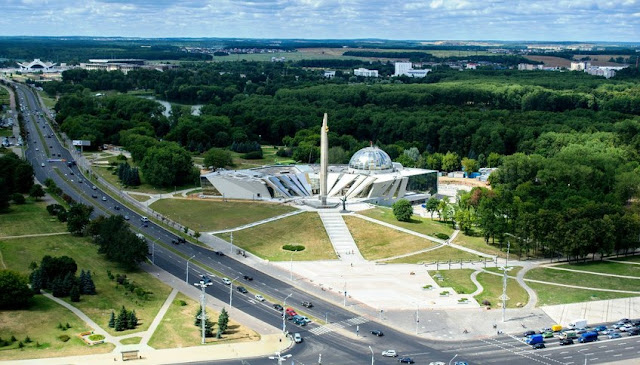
(291, 312)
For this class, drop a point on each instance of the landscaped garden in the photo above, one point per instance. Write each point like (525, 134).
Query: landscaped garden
(492, 293)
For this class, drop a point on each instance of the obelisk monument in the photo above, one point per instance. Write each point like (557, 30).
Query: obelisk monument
(324, 160)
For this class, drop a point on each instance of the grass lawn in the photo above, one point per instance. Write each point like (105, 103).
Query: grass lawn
(49, 102)
(268, 158)
(459, 280)
(477, 243)
(418, 224)
(513, 272)
(628, 258)
(585, 280)
(19, 253)
(29, 218)
(606, 267)
(6, 132)
(140, 198)
(177, 328)
(266, 240)
(131, 341)
(106, 173)
(40, 323)
(492, 285)
(444, 253)
(210, 215)
(376, 241)
(552, 294)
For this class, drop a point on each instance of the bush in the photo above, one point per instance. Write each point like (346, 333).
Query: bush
(293, 247)
(27, 340)
(182, 303)
(442, 236)
(18, 198)
(486, 302)
(402, 210)
(64, 338)
(462, 300)
(253, 155)
(428, 286)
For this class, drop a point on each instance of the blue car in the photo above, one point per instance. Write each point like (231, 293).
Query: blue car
(406, 360)
(600, 328)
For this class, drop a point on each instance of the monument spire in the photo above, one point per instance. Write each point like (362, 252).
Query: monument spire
(324, 160)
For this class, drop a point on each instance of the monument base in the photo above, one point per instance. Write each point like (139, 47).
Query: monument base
(317, 204)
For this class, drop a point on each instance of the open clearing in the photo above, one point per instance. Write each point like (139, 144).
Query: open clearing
(417, 224)
(29, 218)
(376, 241)
(553, 294)
(19, 253)
(458, 280)
(177, 328)
(266, 240)
(477, 243)
(492, 292)
(40, 323)
(268, 158)
(213, 215)
(605, 267)
(441, 254)
(584, 280)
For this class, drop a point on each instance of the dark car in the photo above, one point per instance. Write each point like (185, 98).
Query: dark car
(529, 333)
(242, 290)
(116, 207)
(299, 321)
(566, 341)
(277, 307)
(247, 278)
(406, 360)
(377, 333)
(219, 253)
(182, 240)
(539, 345)
(307, 304)
(174, 242)
(633, 332)
(94, 196)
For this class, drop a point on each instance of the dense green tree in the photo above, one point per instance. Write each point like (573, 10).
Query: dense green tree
(117, 242)
(402, 210)
(223, 321)
(78, 217)
(167, 165)
(470, 165)
(112, 320)
(432, 205)
(18, 198)
(217, 158)
(450, 162)
(14, 291)
(36, 191)
(74, 293)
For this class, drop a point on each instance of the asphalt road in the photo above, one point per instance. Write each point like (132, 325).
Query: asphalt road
(319, 341)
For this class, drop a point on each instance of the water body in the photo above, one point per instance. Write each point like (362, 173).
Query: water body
(195, 109)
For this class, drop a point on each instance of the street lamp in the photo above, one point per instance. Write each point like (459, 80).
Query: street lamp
(284, 306)
(203, 284)
(454, 356)
(291, 267)
(279, 358)
(187, 280)
(231, 293)
(371, 354)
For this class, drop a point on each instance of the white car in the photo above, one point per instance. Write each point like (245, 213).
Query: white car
(297, 338)
(260, 297)
(226, 281)
(389, 353)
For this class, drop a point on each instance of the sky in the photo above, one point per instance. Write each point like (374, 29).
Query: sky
(536, 20)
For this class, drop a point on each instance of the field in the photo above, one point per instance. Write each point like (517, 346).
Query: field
(376, 241)
(553, 294)
(605, 267)
(627, 258)
(4, 96)
(417, 224)
(442, 254)
(40, 323)
(30, 218)
(208, 215)
(177, 328)
(458, 280)
(268, 158)
(19, 253)
(49, 102)
(584, 280)
(266, 240)
(550, 61)
(493, 290)
(477, 243)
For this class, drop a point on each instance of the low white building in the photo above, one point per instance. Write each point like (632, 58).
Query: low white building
(406, 69)
(365, 72)
(329, 74)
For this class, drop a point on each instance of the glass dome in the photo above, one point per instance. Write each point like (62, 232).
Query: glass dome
(371, 159)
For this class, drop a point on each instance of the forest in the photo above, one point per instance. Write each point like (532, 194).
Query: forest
(567, 144)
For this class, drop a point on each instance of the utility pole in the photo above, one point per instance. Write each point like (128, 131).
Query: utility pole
(284, 308)
(504, 286)
(203, 284)
(187, 279)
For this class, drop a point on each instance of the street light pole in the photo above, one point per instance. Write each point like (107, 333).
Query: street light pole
(187, 279)
(203, 284)
(231, 294)
(417, 316)
(371, 354)
(284, 306)
(344, 303)
(456, 355)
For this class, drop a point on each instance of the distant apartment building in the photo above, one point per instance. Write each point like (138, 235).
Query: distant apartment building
(329, 74)
(406, 69)
(604, 71)
(365, 72)
(278, 59)
(528, 67)
(471, 66)
(579, 66)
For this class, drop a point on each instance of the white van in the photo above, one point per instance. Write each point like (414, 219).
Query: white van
(144, 219)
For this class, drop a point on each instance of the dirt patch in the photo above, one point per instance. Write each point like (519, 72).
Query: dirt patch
(551, 61)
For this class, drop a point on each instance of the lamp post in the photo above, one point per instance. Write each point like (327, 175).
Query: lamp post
(203, 284)
(231, 293)
(280, 359)
(417, 316)
(231, 243)
(187, 279)
(371, 355)
(284, 306)
(291, 266)
(454, 356)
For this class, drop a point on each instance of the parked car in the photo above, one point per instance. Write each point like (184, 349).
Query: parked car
(406, 360)
(566, 341)
(260, 297)
(389, 353)
(613, 335)
(377, 333)
(624, 320)
(600, 328)
(547, 334)
(226, 281)
(277, 307)
(633, 332)
(247, 278)
(219, 253)
(242, 289)
(297, 338)
(538, 345)
(529, 333)
(291, 312)
(307, 304)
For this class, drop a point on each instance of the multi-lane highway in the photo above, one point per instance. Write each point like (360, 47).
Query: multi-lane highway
(335, 347)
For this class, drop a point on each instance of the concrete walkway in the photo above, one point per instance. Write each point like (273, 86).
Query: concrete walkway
(474, 279)
(409, 254)
(340, 237)
(156, 321)
(256, 223)
(623, 262)
(34, 235)
(533, 296)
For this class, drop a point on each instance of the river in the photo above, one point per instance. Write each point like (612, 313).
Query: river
(195, 109)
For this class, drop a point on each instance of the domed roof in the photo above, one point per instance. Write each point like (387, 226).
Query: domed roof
(371, 159)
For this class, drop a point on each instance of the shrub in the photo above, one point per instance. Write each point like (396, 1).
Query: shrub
(18, 198)
(486, 302)
(27, 339)
(182, 303)
(463, 300)
(428, 286)
(96, 337)
(13, 338)
(402, 210)
(253, 155)
(20, 345)
(293, 247)
(442, 236)
(444, 292)
(64, 338)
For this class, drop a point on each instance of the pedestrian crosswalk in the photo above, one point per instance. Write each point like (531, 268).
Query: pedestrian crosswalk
(327, 328)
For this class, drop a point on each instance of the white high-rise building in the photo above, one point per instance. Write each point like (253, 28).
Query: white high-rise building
(402, 68)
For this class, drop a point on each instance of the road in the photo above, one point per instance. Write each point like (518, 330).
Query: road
(335, 347)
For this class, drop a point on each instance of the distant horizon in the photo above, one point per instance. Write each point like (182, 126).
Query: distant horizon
(509, 20)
